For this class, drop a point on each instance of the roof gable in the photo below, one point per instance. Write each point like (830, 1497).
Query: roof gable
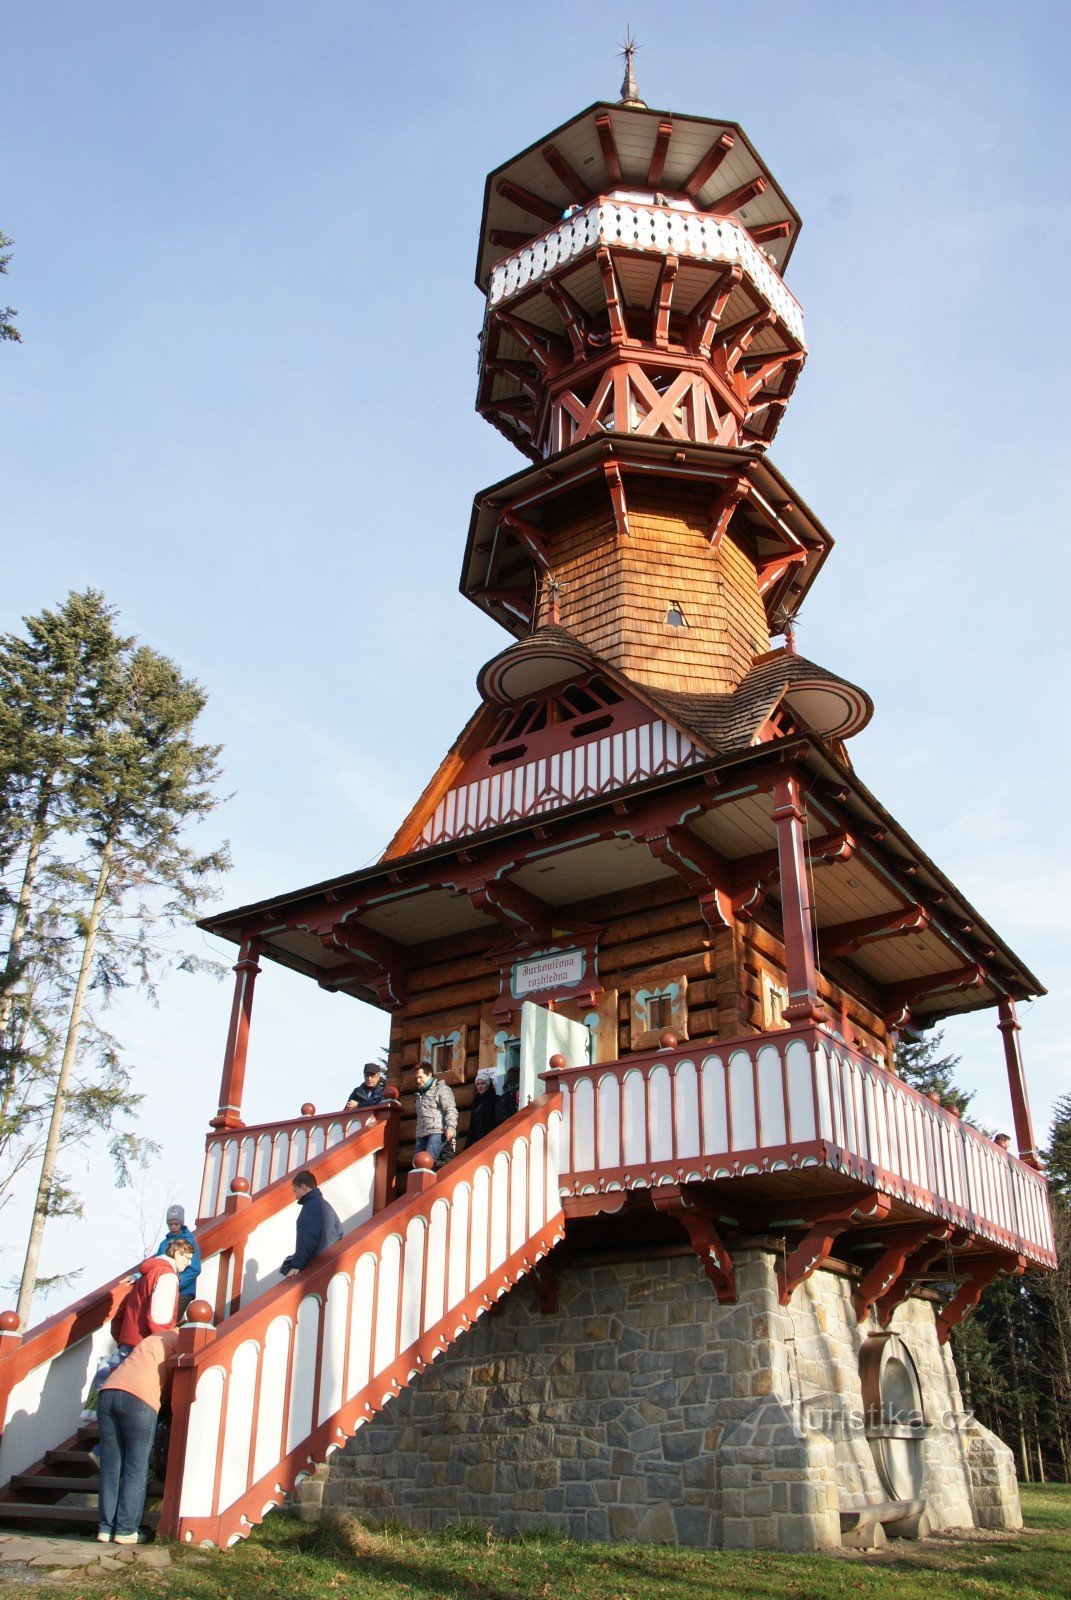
(587, 735)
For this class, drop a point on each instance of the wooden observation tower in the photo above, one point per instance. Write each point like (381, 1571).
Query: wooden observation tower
(647, 875)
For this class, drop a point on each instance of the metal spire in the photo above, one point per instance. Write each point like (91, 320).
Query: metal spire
(630, 94)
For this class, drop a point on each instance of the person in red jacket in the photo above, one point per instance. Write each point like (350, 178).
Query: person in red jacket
(152, 1304)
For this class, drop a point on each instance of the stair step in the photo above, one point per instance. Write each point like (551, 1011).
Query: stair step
(68, 1458)
(78, 1516)
(65, 1484)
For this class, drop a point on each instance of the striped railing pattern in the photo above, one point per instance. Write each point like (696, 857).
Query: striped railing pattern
(658, 230)
(592, 767)
(266, 1152)
(46, 1376)
(792, 1099)
(285, 1382)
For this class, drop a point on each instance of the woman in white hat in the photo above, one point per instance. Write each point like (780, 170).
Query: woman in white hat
(484, 1107)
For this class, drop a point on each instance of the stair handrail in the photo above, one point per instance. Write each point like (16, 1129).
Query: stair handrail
(66, 1328)
(204, 1348)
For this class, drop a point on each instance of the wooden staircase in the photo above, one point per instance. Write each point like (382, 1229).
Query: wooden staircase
(292, 1367)
(61, 1490)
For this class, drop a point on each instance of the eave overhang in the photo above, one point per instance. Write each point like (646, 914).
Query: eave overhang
(646, 158)
(414, 899)
(749, 500)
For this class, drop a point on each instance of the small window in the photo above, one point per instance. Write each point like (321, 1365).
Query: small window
(441, 1056)
(675, 617)
(774, 1001)
(603, 691)
(511, 1054)
(579, 699)
(659, 1008)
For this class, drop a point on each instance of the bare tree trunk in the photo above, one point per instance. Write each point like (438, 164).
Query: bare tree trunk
(7, 1094)
(1017, 1397)
(70, 1050)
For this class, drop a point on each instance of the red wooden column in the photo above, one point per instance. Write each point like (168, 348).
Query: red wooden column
(1024, 1128)
(787, 813)
(232, 1081)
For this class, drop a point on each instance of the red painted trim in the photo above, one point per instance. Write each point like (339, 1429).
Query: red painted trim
(232, 1080)
(1024, 1127)
(220, 1234)
(286, 1300)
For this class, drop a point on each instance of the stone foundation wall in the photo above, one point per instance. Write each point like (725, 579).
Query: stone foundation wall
(644, 1410)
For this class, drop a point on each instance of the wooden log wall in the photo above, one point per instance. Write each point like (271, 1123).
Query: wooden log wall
(650, 934)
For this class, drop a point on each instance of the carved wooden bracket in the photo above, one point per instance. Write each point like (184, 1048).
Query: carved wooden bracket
(693, 1212)
(917, 1262)
(816, 1246)
(890, 1264)
(980, 1273)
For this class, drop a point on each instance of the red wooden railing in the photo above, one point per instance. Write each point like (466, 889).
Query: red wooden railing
(45, 1376)
(262, 1153)
(792, 1099)
(261, 1400)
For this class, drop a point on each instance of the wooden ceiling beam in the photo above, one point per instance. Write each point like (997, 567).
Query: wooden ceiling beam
(659, 153)
(764, 232)
(536, 205)
(736, 338)
(570, 180)
(908, 992)
(736, 199)
(608, 145)
(529, 535)
(574, 318)
(846, 937)
(705, 169)
(538, 343)
(508, 239)
(524, 373)
(704, 320)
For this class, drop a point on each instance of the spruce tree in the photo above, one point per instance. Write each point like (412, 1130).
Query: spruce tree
(920, 1063)
(145, 783)
(8, 329)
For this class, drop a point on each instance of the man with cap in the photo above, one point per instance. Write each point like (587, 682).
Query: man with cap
(484, 1108)
(177, 1229)
(370, 1092)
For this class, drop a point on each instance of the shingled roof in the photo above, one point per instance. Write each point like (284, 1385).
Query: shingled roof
(721, 722)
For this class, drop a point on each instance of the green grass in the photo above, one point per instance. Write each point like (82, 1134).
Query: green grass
(287, 1560)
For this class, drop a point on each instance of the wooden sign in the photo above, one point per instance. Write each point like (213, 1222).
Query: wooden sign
(541, 973)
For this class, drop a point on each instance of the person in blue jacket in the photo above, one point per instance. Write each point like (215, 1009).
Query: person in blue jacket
(317, 1224)
(187, 1284)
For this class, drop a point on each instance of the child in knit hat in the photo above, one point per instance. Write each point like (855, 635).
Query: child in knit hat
(175, 1218)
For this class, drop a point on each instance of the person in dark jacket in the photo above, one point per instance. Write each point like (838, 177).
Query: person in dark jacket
(484, 1111)
(370, 1092)
(317, 1224)
(187, 1284)
(507, 1100)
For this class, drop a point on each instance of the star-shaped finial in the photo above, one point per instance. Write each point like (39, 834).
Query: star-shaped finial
(630, 94)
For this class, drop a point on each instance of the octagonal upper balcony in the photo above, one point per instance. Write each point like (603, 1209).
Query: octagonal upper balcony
(653, 303)
(639, 314)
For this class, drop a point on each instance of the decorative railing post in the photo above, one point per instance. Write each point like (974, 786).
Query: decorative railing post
(194, 1336)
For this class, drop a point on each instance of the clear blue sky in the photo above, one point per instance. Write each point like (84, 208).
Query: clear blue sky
(245, 238)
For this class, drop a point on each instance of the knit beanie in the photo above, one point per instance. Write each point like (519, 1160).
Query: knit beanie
(176, 1214)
